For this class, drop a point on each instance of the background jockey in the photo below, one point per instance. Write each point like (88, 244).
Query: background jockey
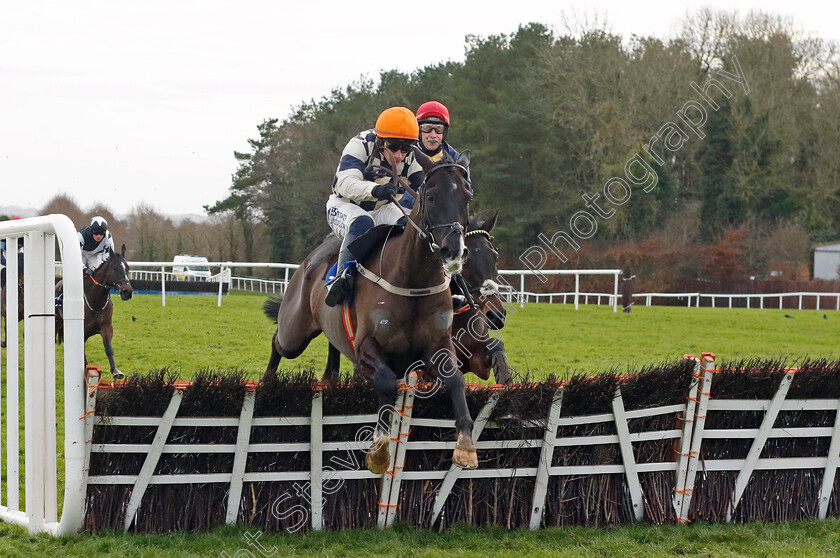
(94, 240)
(433, 118)
(361, 194)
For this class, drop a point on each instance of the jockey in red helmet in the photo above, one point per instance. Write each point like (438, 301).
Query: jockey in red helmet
(433, 118)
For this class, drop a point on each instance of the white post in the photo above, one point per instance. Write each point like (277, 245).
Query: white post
(577, 289)
(163, 286)
(34, 401)
(12, 385)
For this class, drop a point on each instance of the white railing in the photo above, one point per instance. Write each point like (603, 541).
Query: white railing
(728, 299)
(40, 512)
(523, 296)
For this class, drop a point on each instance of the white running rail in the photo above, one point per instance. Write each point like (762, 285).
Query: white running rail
(40, 510)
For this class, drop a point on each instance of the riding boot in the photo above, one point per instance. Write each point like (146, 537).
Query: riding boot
(342, 284)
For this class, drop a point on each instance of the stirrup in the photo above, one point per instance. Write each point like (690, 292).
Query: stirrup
(339, 287)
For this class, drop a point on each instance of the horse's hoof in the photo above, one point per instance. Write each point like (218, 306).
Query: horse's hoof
(117, 375)
(377, 463)
(465, 459)
(465, 455)
(378, 458)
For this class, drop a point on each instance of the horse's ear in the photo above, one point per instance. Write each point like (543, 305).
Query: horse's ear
(464, 159)
(122, 250)
(490, 223)
(424, 160)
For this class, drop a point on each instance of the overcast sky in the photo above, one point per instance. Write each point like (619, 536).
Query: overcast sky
(121, 102)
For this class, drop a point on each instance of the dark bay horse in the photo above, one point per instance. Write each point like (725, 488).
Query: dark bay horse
(111, 274)
(402, 309)
(477, 351)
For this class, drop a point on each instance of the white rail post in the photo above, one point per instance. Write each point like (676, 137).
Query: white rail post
(163, 286)
(316, 461)
(684, 457)
(628, 458)
(240, 458)
(546, 457)
(757, 446)
(577, 289)
(34, 403)
(12, 382)
(615, 292)
(832, 462)
(707, 365)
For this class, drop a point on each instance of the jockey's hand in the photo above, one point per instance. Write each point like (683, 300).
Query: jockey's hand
(87, 271)
(384, 191)
(373, 172)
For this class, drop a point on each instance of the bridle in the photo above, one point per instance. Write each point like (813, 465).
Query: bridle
(464, 285)
(426, 232)
(107, 286)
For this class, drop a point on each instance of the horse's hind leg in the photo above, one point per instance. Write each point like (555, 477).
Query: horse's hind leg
(370, 357)
(273, 361)
(333, 360)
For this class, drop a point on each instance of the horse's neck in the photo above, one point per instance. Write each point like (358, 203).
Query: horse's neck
(416, 265)
(97, 292)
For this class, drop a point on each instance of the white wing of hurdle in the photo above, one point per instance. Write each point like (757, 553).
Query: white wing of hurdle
(40, 512)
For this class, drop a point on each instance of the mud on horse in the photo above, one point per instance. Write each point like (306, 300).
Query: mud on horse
(99, 310)
(402, 307)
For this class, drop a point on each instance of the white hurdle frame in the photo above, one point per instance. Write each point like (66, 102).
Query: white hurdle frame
(40, 513)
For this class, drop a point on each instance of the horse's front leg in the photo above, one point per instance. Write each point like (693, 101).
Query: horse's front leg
(445, 365)
(107, 333)
(371, 361)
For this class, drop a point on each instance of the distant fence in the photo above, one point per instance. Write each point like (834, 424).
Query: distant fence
(515, 291)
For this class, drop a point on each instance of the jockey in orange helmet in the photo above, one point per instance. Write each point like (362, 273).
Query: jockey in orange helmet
(361, 195)
(433, 118)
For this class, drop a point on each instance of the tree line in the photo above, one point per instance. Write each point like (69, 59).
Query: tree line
(553, 116)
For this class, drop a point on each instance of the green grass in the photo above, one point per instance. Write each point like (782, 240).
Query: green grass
(191, 333)
(807, 538)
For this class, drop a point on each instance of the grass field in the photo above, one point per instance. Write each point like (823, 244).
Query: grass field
(192, 333)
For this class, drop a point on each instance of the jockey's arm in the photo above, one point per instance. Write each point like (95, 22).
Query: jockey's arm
(349, 177)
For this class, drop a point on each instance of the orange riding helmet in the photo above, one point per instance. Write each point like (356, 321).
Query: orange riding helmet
(397, 123)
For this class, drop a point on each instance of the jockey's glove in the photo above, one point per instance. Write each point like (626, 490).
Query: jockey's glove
(87, 271)
(384, 191)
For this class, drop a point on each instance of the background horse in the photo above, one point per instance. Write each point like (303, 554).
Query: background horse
(111, 274)
(402, 313)
(3, 297)
(476, 350)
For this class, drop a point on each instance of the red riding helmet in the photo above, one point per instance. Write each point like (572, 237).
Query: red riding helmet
(433, 112)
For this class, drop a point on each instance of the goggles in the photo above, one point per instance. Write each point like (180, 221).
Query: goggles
(99, 232)
(429, 128)
(397, 145)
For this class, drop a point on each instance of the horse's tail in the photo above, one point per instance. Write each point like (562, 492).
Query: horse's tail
(271, 306)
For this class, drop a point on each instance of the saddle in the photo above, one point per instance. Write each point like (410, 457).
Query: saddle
(366, 244)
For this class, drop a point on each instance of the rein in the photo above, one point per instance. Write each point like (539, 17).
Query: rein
(107, 288)
(426, 232)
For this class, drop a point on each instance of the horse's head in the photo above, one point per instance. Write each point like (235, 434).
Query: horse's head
(444, 205)
(481, 270)
(113, 273)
